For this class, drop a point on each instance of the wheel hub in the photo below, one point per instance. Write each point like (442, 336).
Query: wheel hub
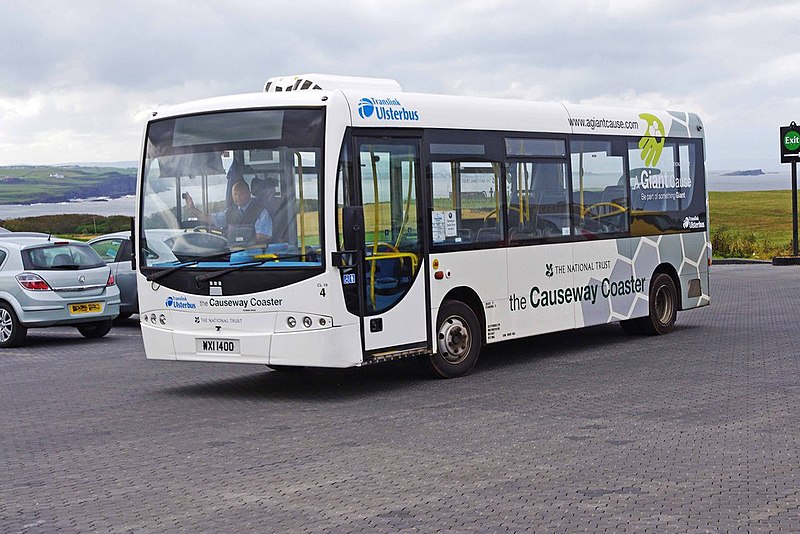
(663, 305)
(6, 325)
(454, 340)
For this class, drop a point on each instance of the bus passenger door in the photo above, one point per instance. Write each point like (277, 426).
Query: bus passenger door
(393, 281)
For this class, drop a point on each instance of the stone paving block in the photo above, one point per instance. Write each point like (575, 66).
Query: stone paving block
(588, 431)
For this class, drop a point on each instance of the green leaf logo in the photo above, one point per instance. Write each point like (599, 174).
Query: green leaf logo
(652, 142)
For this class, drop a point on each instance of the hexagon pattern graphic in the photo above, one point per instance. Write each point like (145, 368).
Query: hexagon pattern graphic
(638, 258)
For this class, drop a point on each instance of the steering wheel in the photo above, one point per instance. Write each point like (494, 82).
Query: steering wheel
(593, 211)
(193, 244)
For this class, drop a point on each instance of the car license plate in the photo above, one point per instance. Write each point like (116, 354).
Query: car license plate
(85, 307)
(216, 346)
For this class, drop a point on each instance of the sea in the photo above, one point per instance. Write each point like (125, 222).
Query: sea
(717, 181)
(93, 206)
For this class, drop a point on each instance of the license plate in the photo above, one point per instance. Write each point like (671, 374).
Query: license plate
(217, 346)
(85, 307)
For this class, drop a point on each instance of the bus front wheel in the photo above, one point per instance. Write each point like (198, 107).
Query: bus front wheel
(458, 340)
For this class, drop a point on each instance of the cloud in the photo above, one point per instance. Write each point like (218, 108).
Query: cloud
(84, 74)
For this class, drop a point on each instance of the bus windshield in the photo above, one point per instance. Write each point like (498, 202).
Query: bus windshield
(233, 189)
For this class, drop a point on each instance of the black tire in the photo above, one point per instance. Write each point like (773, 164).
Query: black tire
(12, 332)
(459, 340)
(95, 330)
(663, 306)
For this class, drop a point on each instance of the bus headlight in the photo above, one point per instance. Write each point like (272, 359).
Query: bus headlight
(292, 322)
(307, 322)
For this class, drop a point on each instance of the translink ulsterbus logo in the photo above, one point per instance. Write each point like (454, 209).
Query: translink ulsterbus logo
(385, 109)
(181, 303)
(693, 222)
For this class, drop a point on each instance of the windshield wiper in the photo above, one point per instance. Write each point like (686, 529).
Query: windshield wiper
(232, 268)
(161, 274)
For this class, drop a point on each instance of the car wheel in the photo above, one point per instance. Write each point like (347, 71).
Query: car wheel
(12, 333)
(458, 341)
(95, 330)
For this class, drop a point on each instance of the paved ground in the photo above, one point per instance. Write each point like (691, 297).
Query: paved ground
(697, 430)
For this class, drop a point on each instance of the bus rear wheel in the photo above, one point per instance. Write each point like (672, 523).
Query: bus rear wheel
(458, 341)
(663, 309)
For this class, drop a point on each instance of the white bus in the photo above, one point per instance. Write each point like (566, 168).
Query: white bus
(391, 224)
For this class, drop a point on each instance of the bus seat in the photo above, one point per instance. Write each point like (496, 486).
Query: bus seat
(517, 233)
(488, 234)
(615, 194)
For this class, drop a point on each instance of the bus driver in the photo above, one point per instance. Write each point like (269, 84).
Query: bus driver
(246, 222)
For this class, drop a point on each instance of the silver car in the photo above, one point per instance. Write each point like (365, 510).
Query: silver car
(45, 281)
(115, 249)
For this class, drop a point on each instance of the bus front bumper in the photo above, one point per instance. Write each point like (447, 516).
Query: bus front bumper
(336, 346)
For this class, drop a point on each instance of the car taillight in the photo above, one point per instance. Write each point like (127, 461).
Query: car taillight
(110, 281)
(32, 282)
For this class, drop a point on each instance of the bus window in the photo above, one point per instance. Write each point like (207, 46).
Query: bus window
(599, 194)
(241, 188)
(389, 174)
(538, 200)
(344, 173)
(466, 204)
(667, 193)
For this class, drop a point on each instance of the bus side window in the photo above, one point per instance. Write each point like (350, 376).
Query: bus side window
(599, 197)
(466, 207)
(538, 205)
(666, 192)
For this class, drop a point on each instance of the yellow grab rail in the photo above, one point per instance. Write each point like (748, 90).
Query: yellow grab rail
(392, 255)
(408, 204)
(376, 217)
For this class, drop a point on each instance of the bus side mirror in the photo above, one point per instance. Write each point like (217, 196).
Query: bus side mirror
(133, 244)
(353, 227)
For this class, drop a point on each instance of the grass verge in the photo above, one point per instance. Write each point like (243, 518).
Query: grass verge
(750, 224)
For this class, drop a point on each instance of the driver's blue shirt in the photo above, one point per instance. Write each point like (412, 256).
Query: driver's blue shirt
(263, 223)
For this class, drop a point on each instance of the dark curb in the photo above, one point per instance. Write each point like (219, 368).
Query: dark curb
(786, 260)
(738, 261)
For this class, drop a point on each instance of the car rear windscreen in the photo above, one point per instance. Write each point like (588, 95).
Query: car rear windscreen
(61, 257)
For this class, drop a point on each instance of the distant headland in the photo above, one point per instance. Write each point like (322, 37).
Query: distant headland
(31, 184)
(750, 172)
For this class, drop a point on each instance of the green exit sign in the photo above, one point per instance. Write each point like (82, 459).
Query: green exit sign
(790, 143)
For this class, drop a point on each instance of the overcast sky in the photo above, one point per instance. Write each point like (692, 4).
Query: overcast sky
(78, 78)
